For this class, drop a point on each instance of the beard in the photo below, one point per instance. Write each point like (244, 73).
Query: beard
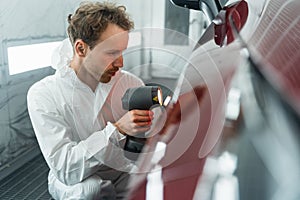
(107, 75)
(105, 79)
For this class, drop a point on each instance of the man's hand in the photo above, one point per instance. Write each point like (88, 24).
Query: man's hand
(134, 122)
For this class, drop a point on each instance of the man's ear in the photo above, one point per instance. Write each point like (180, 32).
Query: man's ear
(80, 48)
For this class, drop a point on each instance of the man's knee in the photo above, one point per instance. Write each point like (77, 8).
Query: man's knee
(91, 188)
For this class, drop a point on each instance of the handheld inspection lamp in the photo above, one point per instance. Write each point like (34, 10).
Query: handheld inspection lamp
(141, 98)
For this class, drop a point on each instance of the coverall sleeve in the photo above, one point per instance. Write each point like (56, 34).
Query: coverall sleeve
(70, 161)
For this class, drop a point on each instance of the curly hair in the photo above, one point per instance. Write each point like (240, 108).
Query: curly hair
(92, 18)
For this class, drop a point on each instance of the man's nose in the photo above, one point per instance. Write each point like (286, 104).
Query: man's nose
(118, 62)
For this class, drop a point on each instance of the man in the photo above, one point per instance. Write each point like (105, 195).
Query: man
(77, 113)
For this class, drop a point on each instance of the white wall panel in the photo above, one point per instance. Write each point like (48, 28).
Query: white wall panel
(33, 18)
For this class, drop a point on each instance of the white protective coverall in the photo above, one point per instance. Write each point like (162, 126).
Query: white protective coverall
(74, 129)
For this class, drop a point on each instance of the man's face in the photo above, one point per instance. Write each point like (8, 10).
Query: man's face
(105, 59)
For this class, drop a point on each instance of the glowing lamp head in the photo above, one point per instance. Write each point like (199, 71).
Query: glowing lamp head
(142, 98)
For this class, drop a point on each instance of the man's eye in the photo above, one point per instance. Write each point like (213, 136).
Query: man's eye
(114, 53)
